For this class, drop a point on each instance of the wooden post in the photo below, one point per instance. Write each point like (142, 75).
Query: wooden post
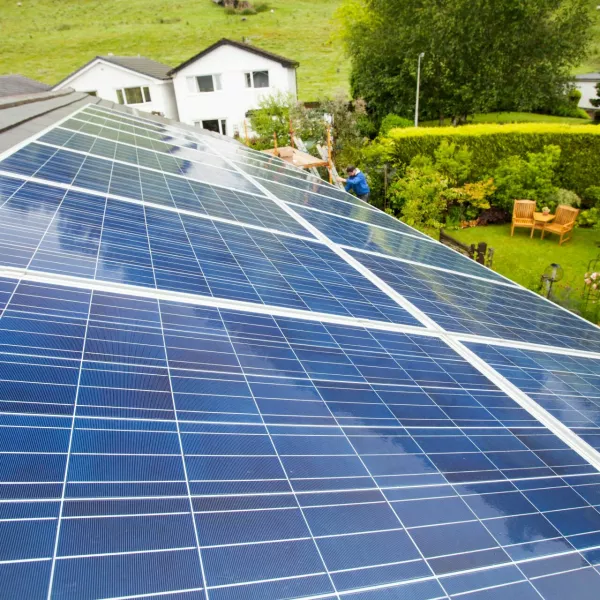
(481, 252)
(329, 160)
(291, 133)
(275, 143)
(246, 133)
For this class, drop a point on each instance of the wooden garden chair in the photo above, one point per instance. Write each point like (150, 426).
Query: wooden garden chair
(563, 223)
(522, 215)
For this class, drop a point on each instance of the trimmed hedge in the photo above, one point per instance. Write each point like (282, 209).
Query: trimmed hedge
(579, 166)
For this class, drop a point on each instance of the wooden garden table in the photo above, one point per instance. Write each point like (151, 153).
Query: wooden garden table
(540, 220)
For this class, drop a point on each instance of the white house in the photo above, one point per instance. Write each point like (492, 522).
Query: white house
(217, 87)
(133, 80)
(586, 84)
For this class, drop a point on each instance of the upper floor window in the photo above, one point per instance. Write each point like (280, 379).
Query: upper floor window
(134, 95)
(257, 79)
(204, 83)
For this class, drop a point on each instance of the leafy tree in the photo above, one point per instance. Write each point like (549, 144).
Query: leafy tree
(275, 114)
(480, 55)
(272, 117)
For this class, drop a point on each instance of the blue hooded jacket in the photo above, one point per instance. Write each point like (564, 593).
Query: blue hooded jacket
(358, 184)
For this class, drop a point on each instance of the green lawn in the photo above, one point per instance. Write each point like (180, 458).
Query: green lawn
(48, 39)
(523, 259)
(512, 117)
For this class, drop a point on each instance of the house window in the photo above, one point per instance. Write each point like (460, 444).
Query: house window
(204, 84)
(134, 95)
(216, 125)
(257, 79)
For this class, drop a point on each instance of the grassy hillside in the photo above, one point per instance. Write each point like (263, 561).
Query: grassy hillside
(593, 62)
(48, 39)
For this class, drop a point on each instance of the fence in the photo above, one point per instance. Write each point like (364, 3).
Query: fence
(480, 253)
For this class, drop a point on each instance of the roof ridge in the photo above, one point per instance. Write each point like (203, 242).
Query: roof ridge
(286, 62)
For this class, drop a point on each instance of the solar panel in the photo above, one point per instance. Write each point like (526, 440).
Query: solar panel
(221, 391)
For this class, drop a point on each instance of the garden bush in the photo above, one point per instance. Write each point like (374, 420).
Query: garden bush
(490, 144)
(528, 178)
(591, 196)
(562, 196)
(394, 122)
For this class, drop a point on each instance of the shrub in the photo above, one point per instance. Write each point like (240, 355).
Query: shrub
(493, 215)
(492, 143)
(518, 178)
(573, 97)
(453, 162)
(562, 196)
(430, 192)
(589, 218)
(394, 122)
(419, 195)
(261, 7)
(571, 112)
(591, 196)
(472, 198)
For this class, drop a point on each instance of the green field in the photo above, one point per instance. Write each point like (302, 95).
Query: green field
(48, 39)
(593, 62)
(523, 259)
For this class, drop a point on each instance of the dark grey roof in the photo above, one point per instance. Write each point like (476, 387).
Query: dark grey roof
(138, 64)
(13, 85)
(286, 62)
(588, 77)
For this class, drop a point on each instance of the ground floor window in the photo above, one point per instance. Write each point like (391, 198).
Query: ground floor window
(216, 125)
(134, 95)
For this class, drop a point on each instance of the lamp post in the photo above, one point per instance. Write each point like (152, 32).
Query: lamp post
(418, 86)
(551, 275)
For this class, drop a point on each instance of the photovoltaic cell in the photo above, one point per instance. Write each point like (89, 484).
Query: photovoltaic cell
(70, 233)
(61, 165)
(464, 305)
(151, 448)
(336, 207)
(355, 234)
(153, 187)
(177, 433)
(115, 144)
(568, 387)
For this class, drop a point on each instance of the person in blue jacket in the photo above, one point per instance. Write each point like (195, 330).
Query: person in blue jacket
(357, 183)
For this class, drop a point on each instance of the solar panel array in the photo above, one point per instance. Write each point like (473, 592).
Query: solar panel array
(223, 379)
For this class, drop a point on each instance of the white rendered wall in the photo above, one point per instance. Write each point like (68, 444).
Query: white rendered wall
(235, 99)
(588, 91)
(105, 79)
